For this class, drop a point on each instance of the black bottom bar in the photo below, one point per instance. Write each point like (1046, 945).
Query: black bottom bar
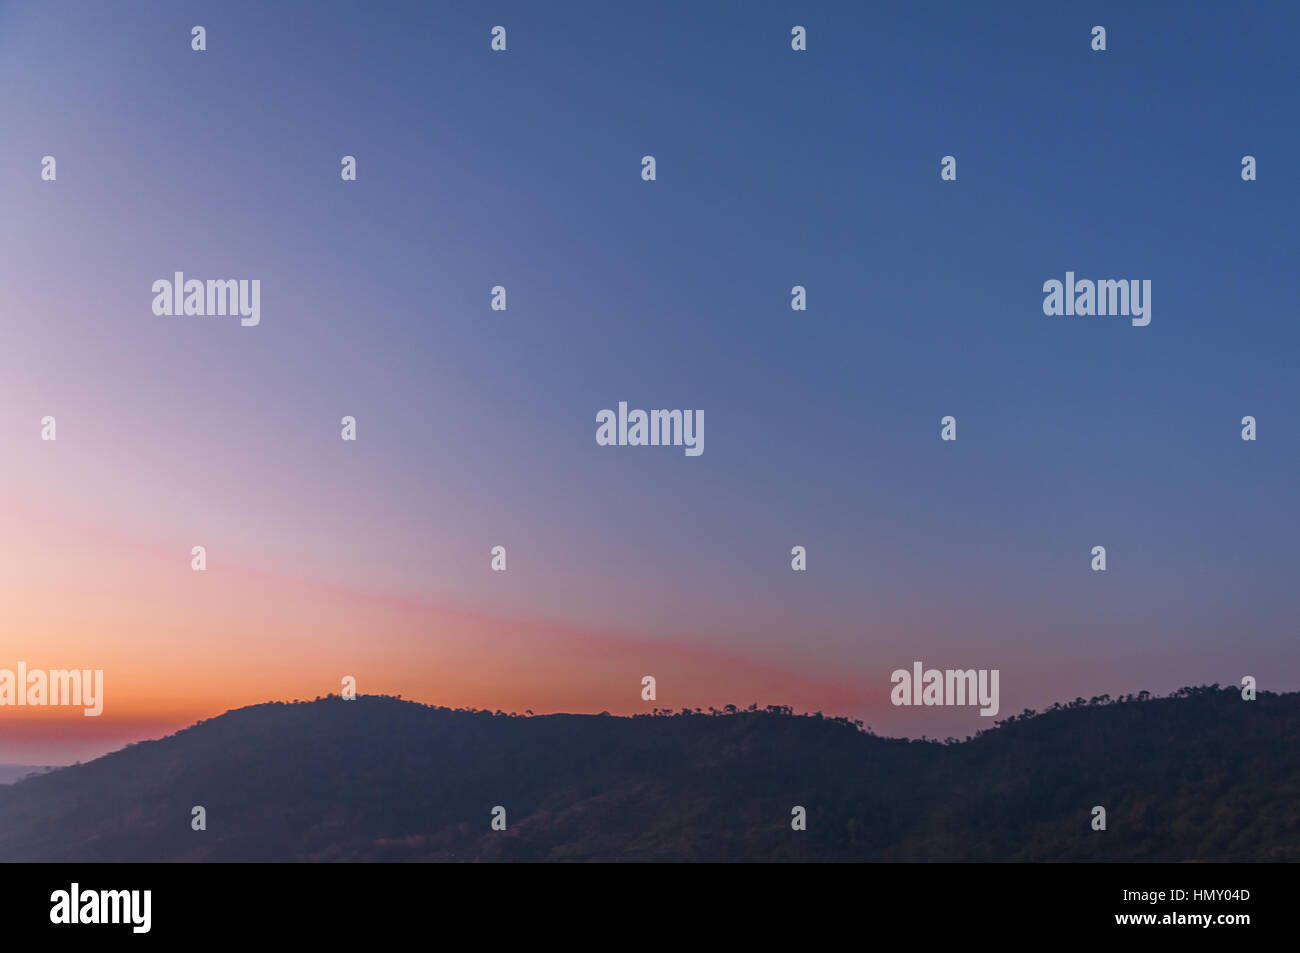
(673, 903)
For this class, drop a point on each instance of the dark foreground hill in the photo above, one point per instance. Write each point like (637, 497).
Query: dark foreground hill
(1203, 776)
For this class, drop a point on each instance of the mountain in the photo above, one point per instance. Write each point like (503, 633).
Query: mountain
(9, 773)
(1202, 775)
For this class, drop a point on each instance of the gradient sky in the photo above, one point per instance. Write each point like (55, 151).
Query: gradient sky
(477, 428)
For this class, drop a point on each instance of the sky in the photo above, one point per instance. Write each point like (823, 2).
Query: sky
(476, 428)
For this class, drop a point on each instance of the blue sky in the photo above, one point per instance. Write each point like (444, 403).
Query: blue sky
(775, 168)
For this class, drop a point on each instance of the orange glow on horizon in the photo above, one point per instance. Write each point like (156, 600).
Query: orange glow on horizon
(178, 646)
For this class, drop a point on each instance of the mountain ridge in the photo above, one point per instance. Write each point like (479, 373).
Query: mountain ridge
(1198, 776)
